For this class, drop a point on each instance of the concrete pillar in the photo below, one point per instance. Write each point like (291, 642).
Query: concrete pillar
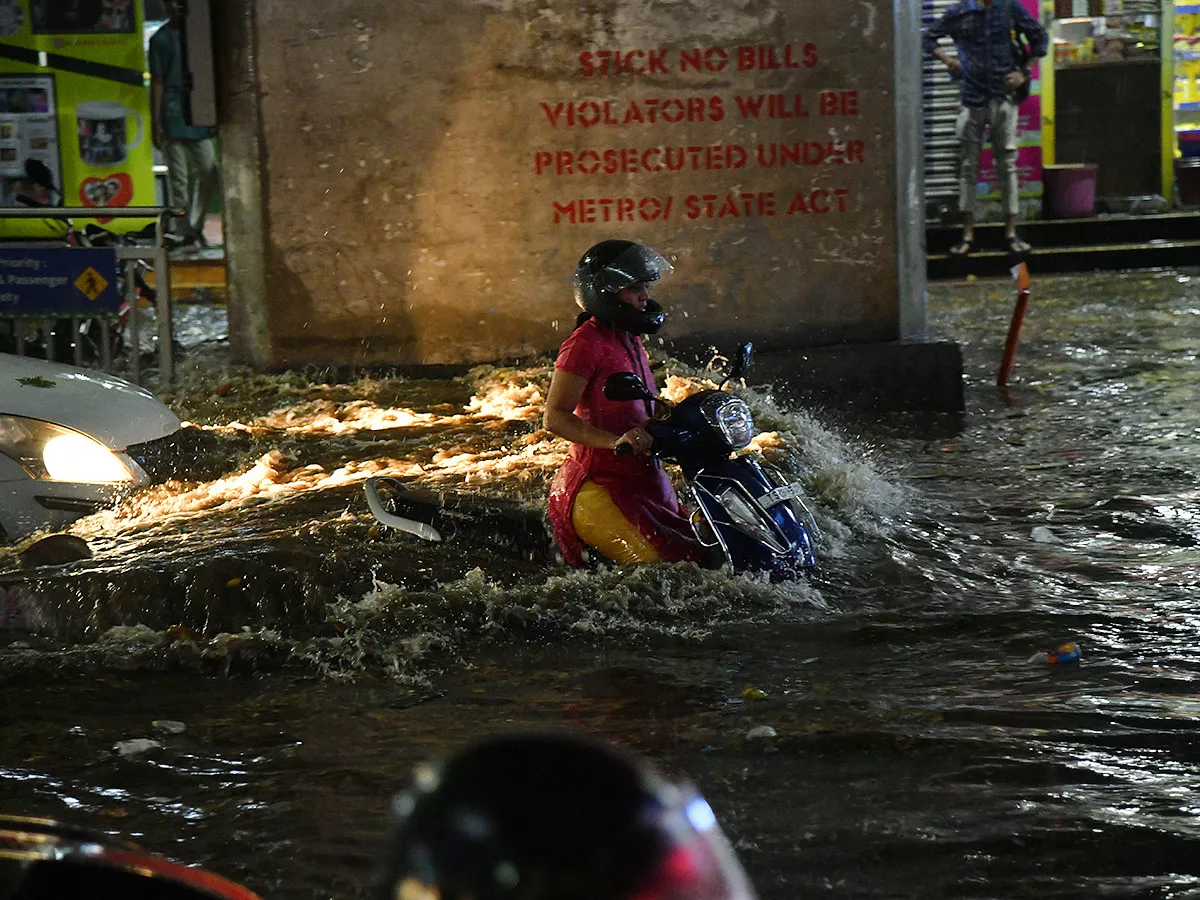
(245, 215)
(412, 181)
(910, 171)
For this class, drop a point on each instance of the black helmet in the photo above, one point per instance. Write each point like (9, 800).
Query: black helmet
(554, 817)
(611, 265)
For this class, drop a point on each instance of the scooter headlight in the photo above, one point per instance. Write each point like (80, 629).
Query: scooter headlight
(51, 452)
(731, 416)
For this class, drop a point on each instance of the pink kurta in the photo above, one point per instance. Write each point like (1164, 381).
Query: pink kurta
(639, 487)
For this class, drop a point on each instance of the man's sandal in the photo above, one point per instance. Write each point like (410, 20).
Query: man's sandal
(962, 248)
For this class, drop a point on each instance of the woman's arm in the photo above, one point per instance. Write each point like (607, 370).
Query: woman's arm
(566, 390)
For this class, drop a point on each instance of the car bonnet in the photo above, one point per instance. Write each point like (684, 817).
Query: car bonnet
(109, 409)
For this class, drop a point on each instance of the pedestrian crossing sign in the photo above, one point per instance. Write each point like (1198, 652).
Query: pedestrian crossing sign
(91, 283)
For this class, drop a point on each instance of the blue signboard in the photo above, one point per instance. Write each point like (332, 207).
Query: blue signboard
(58, 281)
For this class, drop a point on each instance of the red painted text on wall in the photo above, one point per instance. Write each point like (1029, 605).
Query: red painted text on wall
(729, 205)
(590, 113)
(714, 157)
(659, 61)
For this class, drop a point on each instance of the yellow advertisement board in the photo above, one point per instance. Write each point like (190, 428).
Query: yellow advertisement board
(74, 103)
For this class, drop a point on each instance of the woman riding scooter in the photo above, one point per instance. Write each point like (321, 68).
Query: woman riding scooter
(619, 503)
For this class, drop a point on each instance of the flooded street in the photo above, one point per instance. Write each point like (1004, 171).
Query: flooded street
(310, 657)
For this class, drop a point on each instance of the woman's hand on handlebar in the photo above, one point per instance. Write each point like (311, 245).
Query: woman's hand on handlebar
(635, 440)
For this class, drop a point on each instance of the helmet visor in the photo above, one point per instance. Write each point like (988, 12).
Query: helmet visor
(636, 264)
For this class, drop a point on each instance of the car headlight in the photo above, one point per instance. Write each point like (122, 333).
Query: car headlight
(51, 452)
(731, 416)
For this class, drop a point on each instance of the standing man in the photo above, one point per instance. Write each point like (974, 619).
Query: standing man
(984, 32)
(190, 151)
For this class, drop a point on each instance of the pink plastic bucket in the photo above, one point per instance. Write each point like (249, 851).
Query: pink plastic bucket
(1070, 190)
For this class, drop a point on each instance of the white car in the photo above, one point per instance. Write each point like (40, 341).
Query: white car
(70, 441)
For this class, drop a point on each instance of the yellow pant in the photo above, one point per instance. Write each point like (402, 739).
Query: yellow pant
(601, 525)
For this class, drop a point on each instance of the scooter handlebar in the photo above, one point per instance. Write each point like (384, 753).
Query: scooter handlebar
(658, 434)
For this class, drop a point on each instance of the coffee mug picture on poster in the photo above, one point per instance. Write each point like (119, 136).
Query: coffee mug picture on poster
(104, 133)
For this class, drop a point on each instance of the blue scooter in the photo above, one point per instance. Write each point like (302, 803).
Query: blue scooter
(747, 513)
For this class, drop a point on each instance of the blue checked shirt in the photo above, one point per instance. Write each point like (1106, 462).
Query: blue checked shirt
(980, 34)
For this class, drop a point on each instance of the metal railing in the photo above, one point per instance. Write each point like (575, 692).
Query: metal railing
(129, 254)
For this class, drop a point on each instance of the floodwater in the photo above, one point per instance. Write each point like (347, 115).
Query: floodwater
(919, 744)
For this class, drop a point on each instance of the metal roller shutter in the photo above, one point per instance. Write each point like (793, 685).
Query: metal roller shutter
(940, 107)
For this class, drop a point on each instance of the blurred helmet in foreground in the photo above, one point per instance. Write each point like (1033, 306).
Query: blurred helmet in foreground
(554, 817)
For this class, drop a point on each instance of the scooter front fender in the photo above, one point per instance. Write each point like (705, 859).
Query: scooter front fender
(754, 521)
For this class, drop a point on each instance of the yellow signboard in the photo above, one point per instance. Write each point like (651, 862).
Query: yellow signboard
(74, 98)
(91, 283)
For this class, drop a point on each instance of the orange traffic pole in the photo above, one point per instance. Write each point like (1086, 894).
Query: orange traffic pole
(1021, 273)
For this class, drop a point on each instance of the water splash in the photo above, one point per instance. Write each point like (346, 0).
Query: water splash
(204, 556)
(410, 634)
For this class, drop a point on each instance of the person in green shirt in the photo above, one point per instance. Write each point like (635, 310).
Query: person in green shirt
(190, 151)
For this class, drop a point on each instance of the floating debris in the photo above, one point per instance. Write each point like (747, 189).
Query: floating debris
(137, 747)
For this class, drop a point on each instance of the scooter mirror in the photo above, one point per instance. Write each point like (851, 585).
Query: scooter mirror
(626, 386)
(742, 364)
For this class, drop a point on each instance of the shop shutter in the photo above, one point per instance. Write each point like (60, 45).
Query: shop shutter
(940, 105)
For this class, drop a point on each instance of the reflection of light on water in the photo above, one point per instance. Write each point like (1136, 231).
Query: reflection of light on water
(676, 387)
(527, 459)
(502, 396)
(766, 442)
(513, 399)
(269, 479)
(538, 458)
(272, 478)
(490, 443)
(330, 418)
(325, 417)
(506, 401)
